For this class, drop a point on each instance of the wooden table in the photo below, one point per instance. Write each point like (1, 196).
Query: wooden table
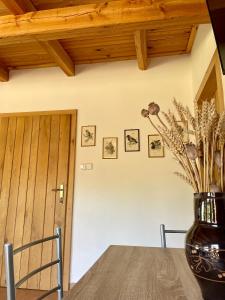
(138, 273)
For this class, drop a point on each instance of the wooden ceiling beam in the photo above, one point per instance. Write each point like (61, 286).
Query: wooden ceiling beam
(63, 60)
(60, 56)
(71, 21)
(192, 38)
(140, 39)
(4, 74)
(19, 7)
(54, 48)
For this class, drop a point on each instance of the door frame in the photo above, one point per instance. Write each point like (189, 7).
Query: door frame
(213, 66)
(71, 182)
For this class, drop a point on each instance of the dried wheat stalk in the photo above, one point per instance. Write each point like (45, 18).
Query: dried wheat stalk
(201, 159)
(183, 177)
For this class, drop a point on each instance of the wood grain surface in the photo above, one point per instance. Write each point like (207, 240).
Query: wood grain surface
(65, 33)
(37, 155)
(138, 273)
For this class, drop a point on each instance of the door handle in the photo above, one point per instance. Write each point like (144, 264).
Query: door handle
(61, 192)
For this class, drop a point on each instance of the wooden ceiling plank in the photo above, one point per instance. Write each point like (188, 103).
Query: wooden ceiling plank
(140, 38)
(53, 48)
(58, 23)
(102, 60)
(4, 74)
(19, 7)
(62, 59)
(192, 38)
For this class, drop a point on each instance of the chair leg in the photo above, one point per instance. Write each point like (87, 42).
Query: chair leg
(163, 235)
(9, 267)
(59, 265)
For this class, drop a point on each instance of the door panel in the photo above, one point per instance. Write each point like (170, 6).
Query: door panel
(4, 122)
(14, 186)
(29, 200)
(39, 198)
(34, 160)
(22, 193)
(47, 251)
(62, 178)
(6, 183)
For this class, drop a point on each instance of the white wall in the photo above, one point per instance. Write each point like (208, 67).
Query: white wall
(121, 201)
(202, 53)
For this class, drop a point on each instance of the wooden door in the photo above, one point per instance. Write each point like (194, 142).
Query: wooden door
(211, 86)
(36, 156)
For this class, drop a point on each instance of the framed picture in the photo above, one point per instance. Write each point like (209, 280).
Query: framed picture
(88, 136)
(132, 140)
(184, 131)
(110, 148)
(155, 146)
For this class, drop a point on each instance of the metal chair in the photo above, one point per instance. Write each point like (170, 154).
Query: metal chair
(164, 231)
(9, 267)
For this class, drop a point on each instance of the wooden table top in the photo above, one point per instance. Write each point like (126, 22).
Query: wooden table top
(138, 273)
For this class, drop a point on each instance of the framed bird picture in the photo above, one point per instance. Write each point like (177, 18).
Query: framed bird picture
(132, 140)
(110, 148)
(155, 146)
(88, 136)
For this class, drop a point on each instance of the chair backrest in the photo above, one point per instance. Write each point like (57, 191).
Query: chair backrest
(164, 231)
(9, 267)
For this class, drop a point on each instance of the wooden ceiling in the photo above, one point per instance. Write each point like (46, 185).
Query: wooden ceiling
(64, 33)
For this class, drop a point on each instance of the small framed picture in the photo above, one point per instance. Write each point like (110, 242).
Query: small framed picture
(155, 146)
(110, 148)
(88, 136)
(132, 140)
(184, 131)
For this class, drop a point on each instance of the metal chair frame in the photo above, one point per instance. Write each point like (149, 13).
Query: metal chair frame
(164, 231)
(9, 267)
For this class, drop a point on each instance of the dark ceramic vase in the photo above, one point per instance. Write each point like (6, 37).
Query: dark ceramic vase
(205, 245)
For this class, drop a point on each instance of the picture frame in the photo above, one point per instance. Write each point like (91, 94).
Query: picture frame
(185, 133)
(88, 136)
(156, 147)
(110, 148)
(132, 140)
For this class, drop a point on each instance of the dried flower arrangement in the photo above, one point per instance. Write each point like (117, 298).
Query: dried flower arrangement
(202, 159)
